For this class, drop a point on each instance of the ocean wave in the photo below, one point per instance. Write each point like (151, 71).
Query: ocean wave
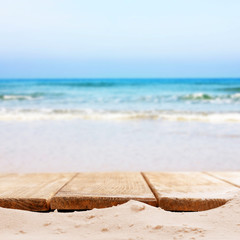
(147, 98)
(230, 89)
(30, 96)
(9, 97)
(204, 97)
(67, 114)
(16, 97)
(196, 96)
(191, 98)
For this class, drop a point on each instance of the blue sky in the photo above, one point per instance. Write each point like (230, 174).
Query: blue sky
(134, 38)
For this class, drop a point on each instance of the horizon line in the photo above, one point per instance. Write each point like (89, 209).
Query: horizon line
(116, 78)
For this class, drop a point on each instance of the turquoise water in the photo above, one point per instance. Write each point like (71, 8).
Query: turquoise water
(121, 99)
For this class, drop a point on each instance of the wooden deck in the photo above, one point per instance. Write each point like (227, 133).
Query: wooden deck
(174, 191)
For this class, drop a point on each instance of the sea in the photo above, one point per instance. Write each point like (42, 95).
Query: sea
(212, 100)
(52, 125)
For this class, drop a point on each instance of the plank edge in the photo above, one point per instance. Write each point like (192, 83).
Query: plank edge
(190, 204)
(89, 202)
(30, 204)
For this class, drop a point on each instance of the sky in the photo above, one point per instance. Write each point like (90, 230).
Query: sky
(127, 38)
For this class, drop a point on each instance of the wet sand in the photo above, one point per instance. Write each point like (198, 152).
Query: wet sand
(78, 145)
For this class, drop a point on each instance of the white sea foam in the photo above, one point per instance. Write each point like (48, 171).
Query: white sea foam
(90, 114)
(204, 97)
(236, 96)
(17, 97)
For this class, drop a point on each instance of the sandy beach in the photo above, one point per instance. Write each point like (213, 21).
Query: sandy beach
(129, 221)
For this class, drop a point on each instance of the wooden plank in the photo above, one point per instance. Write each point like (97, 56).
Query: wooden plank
(99, 190)
(31, 191)
(229, 177)
(188, 191)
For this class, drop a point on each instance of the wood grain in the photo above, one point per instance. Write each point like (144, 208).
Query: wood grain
(31, 191)
(99, 190)
(188, 191)
(229, 177)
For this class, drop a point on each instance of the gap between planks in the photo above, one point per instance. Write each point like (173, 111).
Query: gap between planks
(31, 191)
(49, 200)
(221, 178)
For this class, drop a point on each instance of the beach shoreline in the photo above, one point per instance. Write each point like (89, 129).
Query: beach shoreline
(84, 145)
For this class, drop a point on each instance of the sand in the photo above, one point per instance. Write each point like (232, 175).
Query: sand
(132, 220)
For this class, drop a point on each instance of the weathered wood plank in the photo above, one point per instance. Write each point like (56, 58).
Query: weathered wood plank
(99, 190)
(31, 191)
(188, 191)
(229, 177)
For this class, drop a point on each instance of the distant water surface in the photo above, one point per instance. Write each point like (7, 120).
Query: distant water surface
(214, 100)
